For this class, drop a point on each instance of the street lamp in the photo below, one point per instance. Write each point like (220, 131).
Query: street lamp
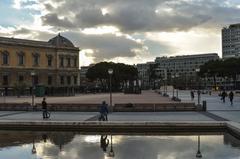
(33, 75)
(176, 84)
(111, 152)
(173, 86)
(110, 72)
(198, 154)
(198, 92)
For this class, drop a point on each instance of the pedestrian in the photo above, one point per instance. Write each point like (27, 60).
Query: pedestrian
(224, 94)
(103, 111)
(192, 95)
(231, 97)
(44, 108)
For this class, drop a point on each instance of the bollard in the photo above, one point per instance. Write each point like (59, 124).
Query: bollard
(204, 105)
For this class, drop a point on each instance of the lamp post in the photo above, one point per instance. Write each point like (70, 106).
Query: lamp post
(198, 92)
(198, 154)
(176, 84)
(110, 72)
(111, 152)
(33, 75)
(173, 86)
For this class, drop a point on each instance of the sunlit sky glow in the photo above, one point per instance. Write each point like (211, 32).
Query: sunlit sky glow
(129, 31)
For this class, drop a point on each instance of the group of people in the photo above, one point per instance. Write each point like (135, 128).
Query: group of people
(103, 111)
(224, 94)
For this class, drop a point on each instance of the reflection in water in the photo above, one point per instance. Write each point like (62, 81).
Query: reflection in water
(111, 152)
(34, 151)
(198, 154)
(104, 142)
(65, 145)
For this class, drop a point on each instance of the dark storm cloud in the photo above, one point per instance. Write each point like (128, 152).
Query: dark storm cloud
(53, 19)
(142, 15)
(106, 46)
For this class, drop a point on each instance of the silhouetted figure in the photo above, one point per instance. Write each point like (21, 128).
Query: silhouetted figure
(46, 114)
(104, 142)
(103, 111)
(231, 97)
(44, 137)
(224, 94)
(192, 95)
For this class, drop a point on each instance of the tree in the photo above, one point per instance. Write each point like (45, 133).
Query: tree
(221, 68)
(121, 74)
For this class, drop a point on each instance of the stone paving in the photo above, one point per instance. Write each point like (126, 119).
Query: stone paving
(145, 97)
(214, 106)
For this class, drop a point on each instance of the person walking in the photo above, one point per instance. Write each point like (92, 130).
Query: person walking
(192, 95)
(231, 97)
(224, 94)
(44, 108)
(103, 111)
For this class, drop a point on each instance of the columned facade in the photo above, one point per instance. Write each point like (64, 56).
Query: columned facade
(52, 65)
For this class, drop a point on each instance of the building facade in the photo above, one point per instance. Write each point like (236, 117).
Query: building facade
(26, 63)
(144, 74)
(182, 69)
(231, 41)
(185, 66)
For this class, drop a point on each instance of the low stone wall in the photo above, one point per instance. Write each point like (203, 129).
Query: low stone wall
(15, 107)
(82, 107)
(86, 107)
(154, 107)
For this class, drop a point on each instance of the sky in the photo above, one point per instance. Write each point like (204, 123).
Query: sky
(127, 31)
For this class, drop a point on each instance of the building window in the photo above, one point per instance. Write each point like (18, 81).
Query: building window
(36, 59)
(69, 62)
(75, 79)
(75, 62)
(68, 80)
(5, 58)
(62, 80)
(20, 78)
(49, 80)
(5, 79)
(20, 59)
(61, 62)
(49, 60)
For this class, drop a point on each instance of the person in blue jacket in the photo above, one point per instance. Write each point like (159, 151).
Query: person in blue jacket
(103, 111)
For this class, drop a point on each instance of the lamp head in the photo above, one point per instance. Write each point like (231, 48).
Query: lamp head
(199, 154)
(110, 71)
(33, 73)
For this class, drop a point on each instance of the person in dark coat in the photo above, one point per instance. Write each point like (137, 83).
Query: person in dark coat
(44, 108)
(104, 111)
(192, 95)
(231, 97)
(224, 94)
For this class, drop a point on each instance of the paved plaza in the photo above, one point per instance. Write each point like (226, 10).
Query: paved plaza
(145, 97)
(217, 110)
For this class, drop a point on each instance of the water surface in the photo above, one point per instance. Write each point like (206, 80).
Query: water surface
(69, 145)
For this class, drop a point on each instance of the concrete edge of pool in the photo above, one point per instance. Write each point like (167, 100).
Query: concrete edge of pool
(124, 127)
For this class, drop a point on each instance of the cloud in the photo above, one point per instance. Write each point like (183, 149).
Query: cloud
(107, 46)
(104, 47)
(142, 15)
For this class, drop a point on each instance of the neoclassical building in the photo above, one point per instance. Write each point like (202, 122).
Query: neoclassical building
(53, 65)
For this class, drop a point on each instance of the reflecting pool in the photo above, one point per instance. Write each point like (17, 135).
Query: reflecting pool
(70, 145)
